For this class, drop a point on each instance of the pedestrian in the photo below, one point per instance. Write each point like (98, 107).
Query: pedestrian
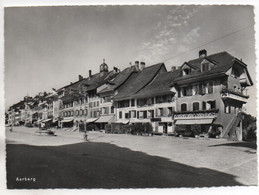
(85, 136)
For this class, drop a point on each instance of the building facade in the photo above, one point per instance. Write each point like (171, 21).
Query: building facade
(203, 95)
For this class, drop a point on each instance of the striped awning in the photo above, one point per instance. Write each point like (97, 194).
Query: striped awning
(193, 121)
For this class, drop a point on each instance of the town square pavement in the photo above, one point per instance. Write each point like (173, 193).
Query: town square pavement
(125, 161)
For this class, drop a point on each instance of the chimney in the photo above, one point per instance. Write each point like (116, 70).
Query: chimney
(173, 68)
(142, 65)
(80, 77)
(90, 73)
(202, 53)
(115, 69)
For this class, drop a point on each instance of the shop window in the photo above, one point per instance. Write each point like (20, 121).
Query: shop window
(183, 107)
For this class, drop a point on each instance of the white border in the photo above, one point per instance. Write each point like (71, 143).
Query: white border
(200, 191)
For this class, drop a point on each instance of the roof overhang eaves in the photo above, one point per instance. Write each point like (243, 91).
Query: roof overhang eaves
(199, 78)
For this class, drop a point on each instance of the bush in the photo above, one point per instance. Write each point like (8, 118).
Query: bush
(250, 132)
(108, 128)
(90, 127)
(196, 129)
(141, 128)
(214, 132)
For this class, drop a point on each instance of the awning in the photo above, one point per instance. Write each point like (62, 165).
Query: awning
(167, 120)
(123, 121)
(55, 120)
(91, 120)
(46, 120)
(135, 120)
(105, 119)
(66, 120)
(193, 121)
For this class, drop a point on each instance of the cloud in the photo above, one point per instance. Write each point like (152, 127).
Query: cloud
(172, 32)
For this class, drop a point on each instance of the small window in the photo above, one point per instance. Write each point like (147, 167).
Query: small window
(127, 115)
(196, 106)
(186, 71)
(212, 104)
(183, 107)
(133, 102)
(112, 109)
(203, 105)
(205, 67)
(227, 109)
(120, 114)
(210, 87)
(133, 113)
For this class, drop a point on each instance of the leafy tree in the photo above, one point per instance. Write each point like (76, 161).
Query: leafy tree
(249, 127)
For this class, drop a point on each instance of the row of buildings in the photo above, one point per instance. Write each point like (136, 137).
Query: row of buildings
(207, 93)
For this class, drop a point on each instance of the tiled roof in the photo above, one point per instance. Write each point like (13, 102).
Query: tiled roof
(91, 83)
(98, 79)
(162, 84)
(119, 79)
(137, 81)
(223, 61)
(71, 97)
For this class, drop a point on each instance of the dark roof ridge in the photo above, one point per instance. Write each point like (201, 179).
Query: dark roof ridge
(153, 78)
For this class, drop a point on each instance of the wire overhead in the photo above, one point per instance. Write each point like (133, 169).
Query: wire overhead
(222, 37)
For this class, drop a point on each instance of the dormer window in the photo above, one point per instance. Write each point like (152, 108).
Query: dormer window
(206, 65)
(187, 71)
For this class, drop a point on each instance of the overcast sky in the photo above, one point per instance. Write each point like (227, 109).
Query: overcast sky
(48, 47)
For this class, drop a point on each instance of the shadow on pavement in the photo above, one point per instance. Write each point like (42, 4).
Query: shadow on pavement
(251, 145)
(102, 165)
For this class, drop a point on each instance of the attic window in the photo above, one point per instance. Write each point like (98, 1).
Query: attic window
(205, 67)
(186, 71)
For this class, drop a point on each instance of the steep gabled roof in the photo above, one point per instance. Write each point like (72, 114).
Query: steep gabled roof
(161, 85)
(119, 79)
(98, 79)
(223, 61)
(90, 83)
(138, 81)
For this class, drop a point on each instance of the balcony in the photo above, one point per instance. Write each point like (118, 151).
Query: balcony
(234, 95)
(199, 114)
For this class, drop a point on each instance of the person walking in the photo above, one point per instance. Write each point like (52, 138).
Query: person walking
(85, 136)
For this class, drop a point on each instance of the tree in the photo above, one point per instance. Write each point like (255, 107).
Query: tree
(249, 127)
